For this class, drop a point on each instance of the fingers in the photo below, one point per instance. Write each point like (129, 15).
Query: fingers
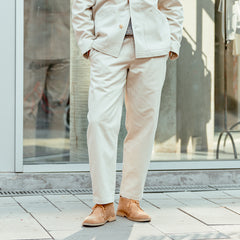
(172, 55)
(88, 52)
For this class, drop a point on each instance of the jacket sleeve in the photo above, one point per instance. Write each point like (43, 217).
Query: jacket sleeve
(173, 10)
(83, 24)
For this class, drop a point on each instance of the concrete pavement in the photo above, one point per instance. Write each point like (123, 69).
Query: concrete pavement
(198, 215)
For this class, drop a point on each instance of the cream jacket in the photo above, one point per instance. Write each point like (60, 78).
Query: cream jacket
(102, 24)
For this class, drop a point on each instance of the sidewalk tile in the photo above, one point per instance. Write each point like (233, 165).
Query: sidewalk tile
(30, 199)
(199, 236)
(184, 195)
(67, 221)
(175, 216)
(198, 202)
(33, 207)
(165, 203)
(233, 231)
(11, 210)
(233, 193)
(225, 201)
(21, 226)
(172, 220)
(161, 196)
(120, 230)
(213, 215)
(4, 201)
(234, 207)
(61, 198)
(66, 205)
(213, 194)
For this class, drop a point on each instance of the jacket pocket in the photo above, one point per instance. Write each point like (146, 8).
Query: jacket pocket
(157, 29)
(162, 15)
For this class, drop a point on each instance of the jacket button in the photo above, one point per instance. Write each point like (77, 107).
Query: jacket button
(121, 26)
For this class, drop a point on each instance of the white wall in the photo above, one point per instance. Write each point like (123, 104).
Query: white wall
(7, 76)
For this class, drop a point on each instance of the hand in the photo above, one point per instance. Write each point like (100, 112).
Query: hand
(86, 54)
(172, 55)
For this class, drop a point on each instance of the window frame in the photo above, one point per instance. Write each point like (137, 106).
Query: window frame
(70, 167)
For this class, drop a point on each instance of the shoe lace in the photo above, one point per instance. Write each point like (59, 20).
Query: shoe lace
(137, 203)
(97, 206)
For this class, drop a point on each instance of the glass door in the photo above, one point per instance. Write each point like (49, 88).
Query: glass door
(55, 93)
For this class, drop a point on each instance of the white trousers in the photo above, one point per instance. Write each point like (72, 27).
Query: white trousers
(141, 81)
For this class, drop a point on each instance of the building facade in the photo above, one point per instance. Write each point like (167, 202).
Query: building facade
(45, 92)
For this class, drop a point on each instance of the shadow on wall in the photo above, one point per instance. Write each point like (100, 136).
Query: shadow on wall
(187, 93)
(193, 98)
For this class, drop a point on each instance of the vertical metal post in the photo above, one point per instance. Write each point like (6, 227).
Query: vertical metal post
(225, 65)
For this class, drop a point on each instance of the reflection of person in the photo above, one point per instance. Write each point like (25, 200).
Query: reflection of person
(134, 64)
(47, 53)
(232, 17)
(192, 118)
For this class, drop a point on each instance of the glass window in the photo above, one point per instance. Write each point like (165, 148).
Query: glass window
(227, 79)
(46, 80)
(56, 79)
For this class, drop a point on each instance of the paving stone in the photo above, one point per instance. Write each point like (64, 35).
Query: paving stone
(31, 199)
(213, 215)
(67, 221)
(234, 207)
(184, 215)
(163, 196)
(72, 207)
(172, 220)
(7, 201)
(199, 236)
(230, 203)
(71, 204)
(166, 203)
(197, 202)
(35, 207)
(224, 201)
(122, 230)
(146, 231)
(234, 193)
(34, 239)
(62, 234)
(21, 226)
(11, 210)
(90, 196)
(57, 214)
(233, 231)
(60, 198)
(184, 195)
(105, 232)
(213, 194)
(83, 196)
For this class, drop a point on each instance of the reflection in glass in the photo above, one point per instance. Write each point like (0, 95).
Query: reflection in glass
(191, 114)
(46, 80)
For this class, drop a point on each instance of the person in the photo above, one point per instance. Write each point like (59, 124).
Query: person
(128, 44)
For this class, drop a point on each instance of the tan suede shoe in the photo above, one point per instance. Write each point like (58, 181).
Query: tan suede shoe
(131, 209)
(101, 213)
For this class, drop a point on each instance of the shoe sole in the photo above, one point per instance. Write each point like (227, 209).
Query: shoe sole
(123, 214)
(111, 219)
